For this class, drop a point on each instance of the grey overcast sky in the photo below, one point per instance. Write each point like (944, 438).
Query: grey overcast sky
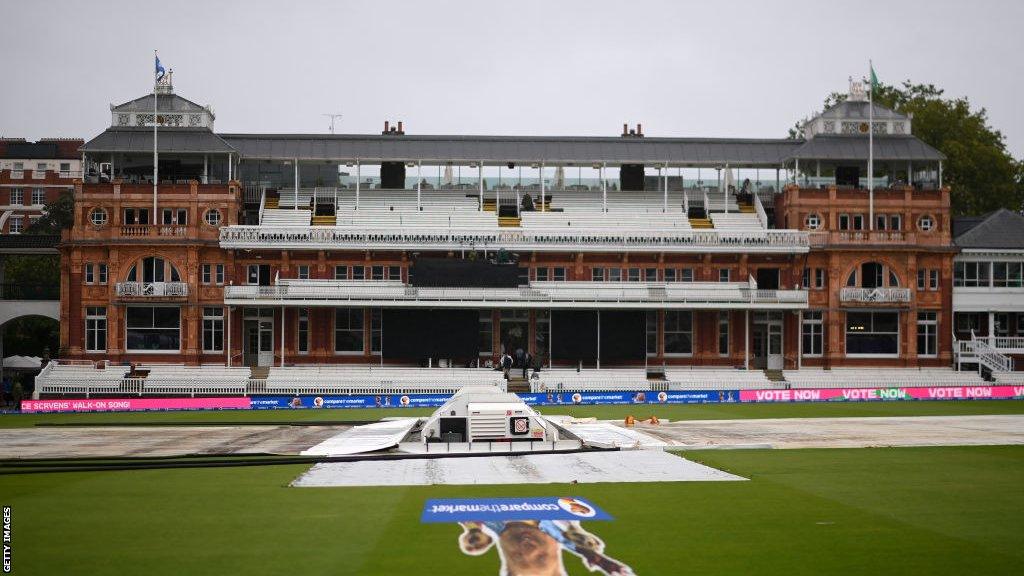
(729, 69)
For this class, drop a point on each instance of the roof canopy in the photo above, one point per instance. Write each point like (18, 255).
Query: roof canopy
(519, 149)
(1000, 229)
(173, 140)
(887, 149)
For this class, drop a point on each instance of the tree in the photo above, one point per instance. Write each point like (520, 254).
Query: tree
(980, 172)
(57, 215)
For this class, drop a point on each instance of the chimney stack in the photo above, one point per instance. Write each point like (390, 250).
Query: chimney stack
(400, 131)
(628, 132)
(385, 127)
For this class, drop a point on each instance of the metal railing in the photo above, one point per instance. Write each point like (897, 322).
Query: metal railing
(875, 295)
(479, 238)
(144, 230)
(152, 289)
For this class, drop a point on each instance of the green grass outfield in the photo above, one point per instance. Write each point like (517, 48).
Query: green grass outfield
(670, 411)
(905, 511)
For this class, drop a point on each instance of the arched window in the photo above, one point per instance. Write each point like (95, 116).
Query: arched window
(153, 269)
(872, 275)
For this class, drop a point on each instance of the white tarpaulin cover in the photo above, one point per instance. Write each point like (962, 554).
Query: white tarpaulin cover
(583, 467)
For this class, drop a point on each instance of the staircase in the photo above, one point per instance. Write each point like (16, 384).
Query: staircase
(518, 383)
(271, 202)
(259, 372)
(977, 351)
(490, 206)
(701, 223)
(326, 220)
(746, 208)
(509, 221)
(774, 375)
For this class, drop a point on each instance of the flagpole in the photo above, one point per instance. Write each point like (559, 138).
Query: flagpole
(156, 157)
(871, 146)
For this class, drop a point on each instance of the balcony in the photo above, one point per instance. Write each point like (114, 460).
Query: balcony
(851, 295)
(149, 231)
(152, 289)
(542, 295)
(478, 238)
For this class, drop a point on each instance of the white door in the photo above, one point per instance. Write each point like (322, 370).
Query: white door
(266, 343)
(775, 345)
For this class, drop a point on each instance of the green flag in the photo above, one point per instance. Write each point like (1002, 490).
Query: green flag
(874, 79)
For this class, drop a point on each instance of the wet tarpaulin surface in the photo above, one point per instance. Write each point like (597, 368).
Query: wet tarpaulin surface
(581, 467)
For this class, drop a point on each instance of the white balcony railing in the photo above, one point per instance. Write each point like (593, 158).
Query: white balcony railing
(876, 295)
(152, 289)
(322, 237)
(537, 294)
(1013, 344)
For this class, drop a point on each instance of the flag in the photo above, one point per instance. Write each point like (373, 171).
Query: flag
(159, 69)
(874, 79)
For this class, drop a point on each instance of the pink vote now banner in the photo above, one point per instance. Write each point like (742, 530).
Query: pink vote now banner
(135, 404)
(862, 394)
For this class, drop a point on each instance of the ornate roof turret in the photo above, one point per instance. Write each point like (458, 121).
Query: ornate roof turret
(173, 111)
(850, 117)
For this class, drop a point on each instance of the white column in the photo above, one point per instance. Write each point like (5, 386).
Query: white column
(778, 182)
(206, 168)
(419, 180)
(796, 172)
(227, 326)
(604, 189)
(480, 182)
(542, 187)
(940, 174)
(358, 183)
(296, 184)
(599, 339)
(799, 339)
(991, 322)
(664, 191)
(746, 339)
(910, 173)
(282, 336)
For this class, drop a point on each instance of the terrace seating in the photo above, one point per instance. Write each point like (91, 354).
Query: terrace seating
(736, 221)
(192, 380)
(880, 377)
(285, 217)
(607, 379)
(60, 377)
(1008, 378)
(717, 379)
(363, 379)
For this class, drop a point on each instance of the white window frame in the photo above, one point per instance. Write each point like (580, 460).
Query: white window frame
(95, 324)
(38, 197)
(813, 325)
(302, 272)
(362, 333)
(302, 331)
(17, 197)
(667, 332)
(723, 331)
(931, 330)
(214, 324)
